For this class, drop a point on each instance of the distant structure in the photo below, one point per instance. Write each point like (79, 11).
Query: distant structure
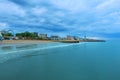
(85, 37)
(8, 31)
(55, 38)
(70, 37)
(8, 37)
(76, 38)
(1, 38)
(43, 36)
(36, 34)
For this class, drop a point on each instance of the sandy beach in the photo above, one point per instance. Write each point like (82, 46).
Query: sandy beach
(24, 41)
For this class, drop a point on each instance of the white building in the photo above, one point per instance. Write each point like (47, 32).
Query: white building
(43, 36)
(55, 38)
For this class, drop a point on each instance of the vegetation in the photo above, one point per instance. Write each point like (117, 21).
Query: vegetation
(7, 34)
(26, 35)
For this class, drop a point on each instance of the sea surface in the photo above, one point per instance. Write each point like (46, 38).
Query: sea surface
(60, 61)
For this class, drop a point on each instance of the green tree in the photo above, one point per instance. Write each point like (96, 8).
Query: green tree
(26, 35)
(7, 34)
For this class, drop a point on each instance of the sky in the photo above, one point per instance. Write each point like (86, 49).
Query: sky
(94, 18)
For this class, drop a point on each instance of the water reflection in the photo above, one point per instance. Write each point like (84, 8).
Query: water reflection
(15, 47)
(4, 48)
(7, 48)
(27, 46)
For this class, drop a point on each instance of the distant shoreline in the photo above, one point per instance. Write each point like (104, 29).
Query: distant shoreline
(24, 41)
(45, 41)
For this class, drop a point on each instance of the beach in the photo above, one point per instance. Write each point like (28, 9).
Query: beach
(24, 41)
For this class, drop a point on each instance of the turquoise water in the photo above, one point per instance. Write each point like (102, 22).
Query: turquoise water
(59, 61)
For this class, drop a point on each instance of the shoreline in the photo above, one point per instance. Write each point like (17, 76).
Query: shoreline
(45, 41)
(24, 41)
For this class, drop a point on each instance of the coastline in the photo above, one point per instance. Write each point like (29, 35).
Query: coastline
(45, 41)
(24, 41)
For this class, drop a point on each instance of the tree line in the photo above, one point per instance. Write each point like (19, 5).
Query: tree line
(22, 35)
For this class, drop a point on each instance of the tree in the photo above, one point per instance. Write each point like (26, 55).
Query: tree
(7, 34)
(26, 35)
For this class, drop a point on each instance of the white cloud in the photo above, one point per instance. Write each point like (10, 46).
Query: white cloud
(70, 5)
(38, 11)
(107, 7)
(9, 8)
(60, 14)
(3, 26)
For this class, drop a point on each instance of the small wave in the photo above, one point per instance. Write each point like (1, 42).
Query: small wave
(19, 53)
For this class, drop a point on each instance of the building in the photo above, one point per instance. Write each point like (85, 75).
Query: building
(55, 38)
(15, 38)
(76, 38)
(35, 34)
(70, 37)
(43, 36)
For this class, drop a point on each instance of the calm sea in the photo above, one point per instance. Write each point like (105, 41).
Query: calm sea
(59, 61)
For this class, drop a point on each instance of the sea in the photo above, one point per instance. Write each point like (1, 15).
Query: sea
(60, 61)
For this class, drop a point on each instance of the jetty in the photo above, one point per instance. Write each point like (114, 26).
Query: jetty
(77, 41)
(92, 40)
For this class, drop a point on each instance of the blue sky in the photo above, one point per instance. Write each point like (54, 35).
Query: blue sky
(95, 18)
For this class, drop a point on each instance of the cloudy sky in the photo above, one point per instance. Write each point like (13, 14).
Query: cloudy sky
(95, 18)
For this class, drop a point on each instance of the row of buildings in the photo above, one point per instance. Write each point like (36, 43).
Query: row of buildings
(56, 37)
(29, 35)
(53, 37)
